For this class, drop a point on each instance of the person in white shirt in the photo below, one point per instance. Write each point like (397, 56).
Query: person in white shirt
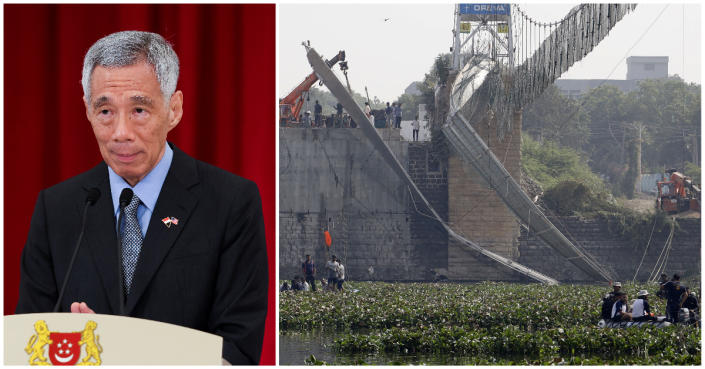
(641, 310)
(341, 275)
(332, 267)
(415, 128)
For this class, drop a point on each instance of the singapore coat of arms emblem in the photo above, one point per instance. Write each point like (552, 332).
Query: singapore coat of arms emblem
(64, 348)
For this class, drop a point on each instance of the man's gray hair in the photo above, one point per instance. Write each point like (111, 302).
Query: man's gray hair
(127, 48)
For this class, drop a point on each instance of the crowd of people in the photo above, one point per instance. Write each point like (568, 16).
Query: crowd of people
(336, 277)
(392, 115)
(616, 306)
(341, 119)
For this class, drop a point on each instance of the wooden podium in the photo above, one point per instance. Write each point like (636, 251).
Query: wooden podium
(97, 339)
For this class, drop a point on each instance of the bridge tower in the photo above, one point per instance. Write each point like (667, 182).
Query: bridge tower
(475, 210)
(482, 29)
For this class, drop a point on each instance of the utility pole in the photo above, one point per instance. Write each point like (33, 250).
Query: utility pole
(456, 39)
(696, 160)
(621, 153)
(684, 152)
(640, 127)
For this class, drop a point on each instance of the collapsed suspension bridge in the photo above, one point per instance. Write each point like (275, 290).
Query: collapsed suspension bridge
(491, 87)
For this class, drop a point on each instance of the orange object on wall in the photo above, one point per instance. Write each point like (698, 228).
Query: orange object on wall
(329, 240)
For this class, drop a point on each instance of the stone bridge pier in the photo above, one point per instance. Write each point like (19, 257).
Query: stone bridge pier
(475, 210)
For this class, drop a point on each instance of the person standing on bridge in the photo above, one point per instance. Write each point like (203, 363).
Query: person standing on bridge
(339, 115)
(397, 116)
(415, 128)
(317, 113)
(389, 115)
(306, 120)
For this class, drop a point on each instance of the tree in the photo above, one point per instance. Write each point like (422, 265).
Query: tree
(629, 179)
(549, 163)
(437, 75)
(409, 106)
(557, 118)
(670, 109)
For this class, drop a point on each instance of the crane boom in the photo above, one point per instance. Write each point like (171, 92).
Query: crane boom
(290, 106)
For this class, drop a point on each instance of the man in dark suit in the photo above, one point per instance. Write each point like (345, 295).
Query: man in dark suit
(191, 241)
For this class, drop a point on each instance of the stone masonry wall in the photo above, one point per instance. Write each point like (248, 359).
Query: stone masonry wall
(334, 179)
(616, 253)
(431, 177)
(476, 212)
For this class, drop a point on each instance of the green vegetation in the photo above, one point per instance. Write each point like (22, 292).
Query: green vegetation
(693, 171)
(492, 323)
(606, 128)
(575, 198)
(549, 164)
(636, 227)
(572, 189)
(648, 345)
(556, 118)
(437, 75)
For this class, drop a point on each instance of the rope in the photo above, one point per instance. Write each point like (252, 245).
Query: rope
(660, 263)
(645, 250)
(586, 255)
(462, 239)
(668, 251)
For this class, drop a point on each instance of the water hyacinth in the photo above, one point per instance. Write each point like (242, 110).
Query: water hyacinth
(496, 323)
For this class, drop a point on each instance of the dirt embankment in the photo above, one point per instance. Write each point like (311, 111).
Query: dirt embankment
(644, 203)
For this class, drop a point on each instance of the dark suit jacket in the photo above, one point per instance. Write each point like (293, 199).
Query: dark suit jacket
(209, 272)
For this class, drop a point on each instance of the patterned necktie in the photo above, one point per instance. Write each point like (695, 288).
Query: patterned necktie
(131, 242)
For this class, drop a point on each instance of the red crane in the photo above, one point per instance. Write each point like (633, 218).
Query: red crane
(290, 106)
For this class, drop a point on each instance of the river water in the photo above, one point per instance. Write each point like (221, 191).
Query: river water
(296, 347)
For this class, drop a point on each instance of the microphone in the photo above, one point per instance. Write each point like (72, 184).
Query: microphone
(125, 198)
(91, 198)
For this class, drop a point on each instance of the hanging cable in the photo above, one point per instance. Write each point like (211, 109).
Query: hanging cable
(645, 250)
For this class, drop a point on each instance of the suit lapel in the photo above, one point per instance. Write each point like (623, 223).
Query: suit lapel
(175, 200)
(101, 237)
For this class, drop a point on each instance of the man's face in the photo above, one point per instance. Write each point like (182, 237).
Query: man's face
(130, 118)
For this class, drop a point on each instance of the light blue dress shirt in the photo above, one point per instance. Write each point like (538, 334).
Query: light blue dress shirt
(147, 189)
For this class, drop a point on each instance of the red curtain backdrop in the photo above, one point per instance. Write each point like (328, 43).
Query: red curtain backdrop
(227, 57)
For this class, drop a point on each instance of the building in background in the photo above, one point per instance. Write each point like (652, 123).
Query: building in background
(638, 68)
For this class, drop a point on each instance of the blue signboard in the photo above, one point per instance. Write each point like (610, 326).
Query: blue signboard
(484, 9)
